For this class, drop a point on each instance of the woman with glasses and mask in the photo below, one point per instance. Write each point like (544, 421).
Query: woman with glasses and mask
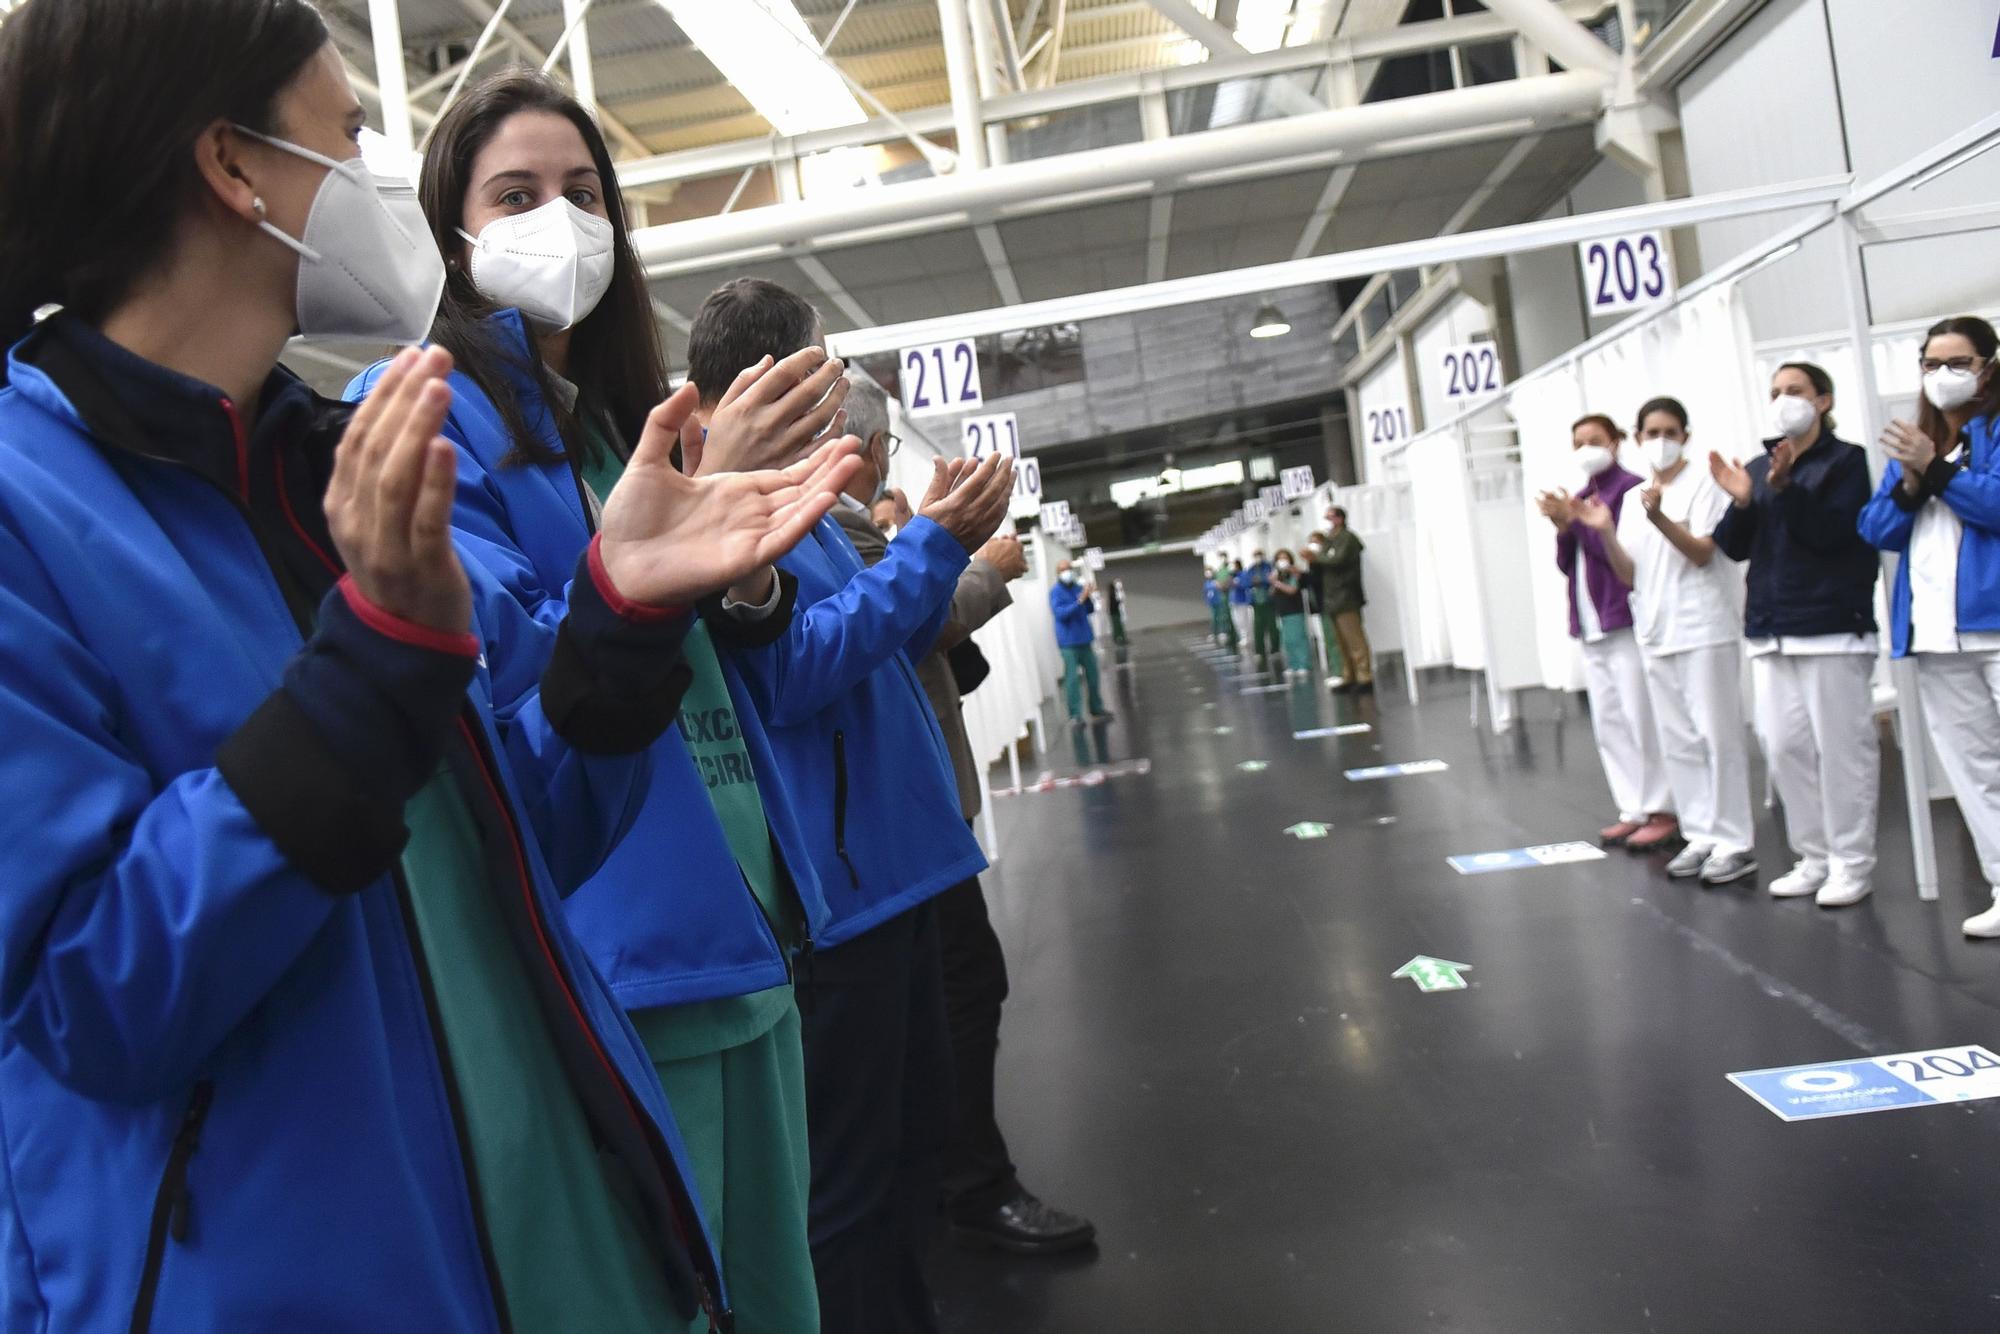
(699, 916)
(1939, 505)
(296, 1033)
(1810, 621)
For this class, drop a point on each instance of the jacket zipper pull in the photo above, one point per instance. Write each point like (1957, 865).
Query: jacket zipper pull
(180, 1215)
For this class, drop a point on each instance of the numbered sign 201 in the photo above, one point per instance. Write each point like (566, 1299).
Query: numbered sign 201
(1387, 425)
(940, 377)
(1623, 273)
(995, 434)
(1472, 370)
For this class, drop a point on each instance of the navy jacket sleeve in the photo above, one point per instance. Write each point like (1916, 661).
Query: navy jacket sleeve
(1736, 534)
(835, 642)
(1822, 517)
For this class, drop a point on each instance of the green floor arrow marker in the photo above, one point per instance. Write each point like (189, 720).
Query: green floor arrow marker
(1433, 974)
(1306, 829)
(1253, 766)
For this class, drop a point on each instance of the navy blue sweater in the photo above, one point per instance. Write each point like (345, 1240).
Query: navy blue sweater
(1810, 572)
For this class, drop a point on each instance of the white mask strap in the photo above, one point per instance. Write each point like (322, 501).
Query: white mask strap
(305, 251)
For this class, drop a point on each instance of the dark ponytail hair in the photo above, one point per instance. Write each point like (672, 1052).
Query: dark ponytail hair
(101, 102)
(1987, 402)
(615, 358)
(1673, 407)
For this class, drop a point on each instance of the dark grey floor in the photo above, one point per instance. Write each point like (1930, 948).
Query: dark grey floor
(1205, 1052)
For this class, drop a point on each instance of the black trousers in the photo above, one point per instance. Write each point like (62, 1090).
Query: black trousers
(978, 1172)
(878, 1109)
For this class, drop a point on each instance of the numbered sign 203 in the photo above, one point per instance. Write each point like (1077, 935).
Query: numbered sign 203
(1623, 273)
(995, 434)
(940, 377)
(1472, 370)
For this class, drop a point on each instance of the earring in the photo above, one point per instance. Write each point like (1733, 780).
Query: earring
(257, 205)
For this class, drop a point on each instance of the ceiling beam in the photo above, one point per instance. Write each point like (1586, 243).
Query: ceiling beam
(822, 278)
(1561, 36)
(1490, 110)
(1159, 232)
(997, 263)
(1322, 215)
(1221, 41)
(617, 129)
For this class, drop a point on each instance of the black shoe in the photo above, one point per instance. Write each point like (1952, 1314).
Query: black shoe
(1025, 1226)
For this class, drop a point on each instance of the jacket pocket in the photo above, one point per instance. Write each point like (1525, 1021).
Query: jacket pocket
(840, 806)
(173, 1203)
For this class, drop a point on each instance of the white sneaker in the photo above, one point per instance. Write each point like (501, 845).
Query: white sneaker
(1841, 891)
(1726, 868)
(1985, 926)
(1805, 878)
(1689, 861)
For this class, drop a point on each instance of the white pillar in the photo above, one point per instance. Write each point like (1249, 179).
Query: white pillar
(962, 69)
(1909, 708)
(582, 78)
(386, 27)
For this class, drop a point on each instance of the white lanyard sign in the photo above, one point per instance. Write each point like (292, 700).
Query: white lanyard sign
(1471, 370)
(940, 377)
(994, 434)
(1055, 517)
(1622, 273)
(1297, 483)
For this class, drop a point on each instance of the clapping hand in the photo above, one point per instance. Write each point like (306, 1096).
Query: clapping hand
(1595, 514)
(968, 499)
(1909, 447)
(1649, 499)
(771, 416)
(1558, 507)
(388, 504)
(669, 540)
(1783, 455)
(1732, 477)
(1004, 554)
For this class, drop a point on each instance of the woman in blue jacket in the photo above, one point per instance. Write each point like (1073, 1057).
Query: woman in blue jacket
(1939, 505)
(295, 1033)
(696, 918)
(1810, 622)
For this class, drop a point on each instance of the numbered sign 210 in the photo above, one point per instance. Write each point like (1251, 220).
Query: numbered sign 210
(995, 434)
(1471, 370)
(1623, 273)
(940, 377)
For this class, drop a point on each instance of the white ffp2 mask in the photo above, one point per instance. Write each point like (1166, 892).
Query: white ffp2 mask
(368, 267)
(1662, 452)
(1594, 459)
(553, 263)
(1948, 388)
(1792, 417)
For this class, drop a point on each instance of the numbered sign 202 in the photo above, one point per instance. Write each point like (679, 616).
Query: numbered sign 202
(995, 434)
(940, 377)
(1623, 273)
(1472, 370)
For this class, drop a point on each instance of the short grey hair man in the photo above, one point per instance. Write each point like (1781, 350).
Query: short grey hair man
(867, 407)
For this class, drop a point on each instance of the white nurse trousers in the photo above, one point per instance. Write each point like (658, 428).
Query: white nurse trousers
(1816, 720)
(1621, 717)
(1697, 698)
(1961, 695)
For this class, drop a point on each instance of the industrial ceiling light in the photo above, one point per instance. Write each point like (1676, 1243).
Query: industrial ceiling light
(768, 54)
(1270, 322)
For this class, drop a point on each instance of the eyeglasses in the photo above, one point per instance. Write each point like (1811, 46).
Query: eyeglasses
(1929, 364)
(892, 442)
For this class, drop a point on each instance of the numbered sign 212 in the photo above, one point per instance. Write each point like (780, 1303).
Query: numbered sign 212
(1622, 273)
(940, 377)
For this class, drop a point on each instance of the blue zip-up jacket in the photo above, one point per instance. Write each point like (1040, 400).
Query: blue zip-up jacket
(669, 919)
(1239, 588)
(1210, 593)
(224, 1099)
(1973, 493)
(1072, 612)
(1810, 572)
(852, 728)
